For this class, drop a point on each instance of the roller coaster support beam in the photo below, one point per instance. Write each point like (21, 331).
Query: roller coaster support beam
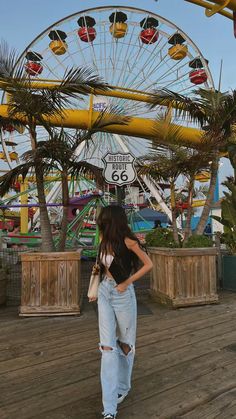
(136, 127)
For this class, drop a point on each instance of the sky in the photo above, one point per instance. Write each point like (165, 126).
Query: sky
(21, 21)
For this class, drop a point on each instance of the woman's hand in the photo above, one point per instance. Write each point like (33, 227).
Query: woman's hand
(121, 287)
(91, 299)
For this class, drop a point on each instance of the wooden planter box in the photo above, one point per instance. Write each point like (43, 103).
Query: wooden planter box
(184, 277)
(50, 284)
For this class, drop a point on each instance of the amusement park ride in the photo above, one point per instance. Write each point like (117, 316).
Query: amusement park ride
(135, 52)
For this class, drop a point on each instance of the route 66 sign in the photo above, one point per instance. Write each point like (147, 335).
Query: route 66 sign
(119, 168)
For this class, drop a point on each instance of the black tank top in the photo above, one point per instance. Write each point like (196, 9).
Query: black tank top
(122, 264)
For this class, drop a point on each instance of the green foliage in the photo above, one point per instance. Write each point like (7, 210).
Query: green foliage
(161, 237)
(199, 241)
(228, 215)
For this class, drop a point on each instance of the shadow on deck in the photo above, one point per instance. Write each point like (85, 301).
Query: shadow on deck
(185, 364)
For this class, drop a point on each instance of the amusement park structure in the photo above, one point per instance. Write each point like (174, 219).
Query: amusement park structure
(226, 8)
(137, 53)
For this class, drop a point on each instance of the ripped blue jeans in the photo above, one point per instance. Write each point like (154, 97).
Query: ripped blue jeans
(117, 314)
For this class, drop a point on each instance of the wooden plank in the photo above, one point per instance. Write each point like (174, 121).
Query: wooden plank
(183, 251)
(25, 284)
(188, 367)
(221, 405)
(62, 284)
(51, 256)
(59, 394)
(44, 284)
(34, 283)
(52, 285)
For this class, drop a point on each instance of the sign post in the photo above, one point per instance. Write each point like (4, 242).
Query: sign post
(119, 170)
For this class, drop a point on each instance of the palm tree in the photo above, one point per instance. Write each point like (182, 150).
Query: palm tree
(33, 108)
(58, 153)
(215, 112)
(168, 162)
(196, 161)
(165, 163)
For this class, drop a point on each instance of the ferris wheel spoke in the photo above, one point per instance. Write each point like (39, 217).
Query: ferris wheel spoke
(173, 68)
(105, 52)
(127, 52)
(147, 51)
(80, 50)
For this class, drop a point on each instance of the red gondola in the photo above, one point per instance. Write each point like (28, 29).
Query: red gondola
(33, 66)
(198, 75)
(149, 34)
(87, 32)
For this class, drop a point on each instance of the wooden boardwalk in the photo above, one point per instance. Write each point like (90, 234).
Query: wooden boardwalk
(185, 365)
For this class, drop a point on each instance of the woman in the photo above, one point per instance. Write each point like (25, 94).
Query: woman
(119, 256)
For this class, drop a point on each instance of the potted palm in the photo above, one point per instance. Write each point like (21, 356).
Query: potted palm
(184, 270)
(50, 280)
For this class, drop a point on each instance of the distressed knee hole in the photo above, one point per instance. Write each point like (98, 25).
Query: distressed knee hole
(106, 348)
(124, 347)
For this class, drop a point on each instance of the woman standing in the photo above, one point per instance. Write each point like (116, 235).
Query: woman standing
(119, 255)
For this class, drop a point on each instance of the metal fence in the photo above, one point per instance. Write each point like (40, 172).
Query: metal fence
(12, 262)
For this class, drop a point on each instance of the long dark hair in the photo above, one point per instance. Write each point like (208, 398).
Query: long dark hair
(113, 227)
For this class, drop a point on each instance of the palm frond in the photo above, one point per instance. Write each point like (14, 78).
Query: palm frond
(9, 178)
(83, 168)
(111, 115)
(81, 81)
(184, 106)
(8, 62)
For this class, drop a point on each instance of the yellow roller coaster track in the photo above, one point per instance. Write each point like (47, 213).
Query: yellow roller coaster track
(223, 7)
(137, 127)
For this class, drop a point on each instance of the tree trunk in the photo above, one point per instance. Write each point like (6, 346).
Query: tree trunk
(173, 211)
(210, 196)
(65, 202)
(187, 230)
(47, 241)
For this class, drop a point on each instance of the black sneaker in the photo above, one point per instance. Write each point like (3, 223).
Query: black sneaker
(121, 397)
(109, 416)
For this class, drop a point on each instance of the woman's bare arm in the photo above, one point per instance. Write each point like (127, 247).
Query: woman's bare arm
(143, 257)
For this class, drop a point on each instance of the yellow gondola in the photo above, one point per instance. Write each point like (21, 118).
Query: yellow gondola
(203, 176)
(13, 155)
(178, 51)
(118, 28)
(58, 44)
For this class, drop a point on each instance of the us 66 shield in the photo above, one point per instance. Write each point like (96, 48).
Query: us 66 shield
(119, 168)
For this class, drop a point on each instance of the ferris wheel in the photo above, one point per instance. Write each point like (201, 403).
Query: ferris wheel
(133, 50)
